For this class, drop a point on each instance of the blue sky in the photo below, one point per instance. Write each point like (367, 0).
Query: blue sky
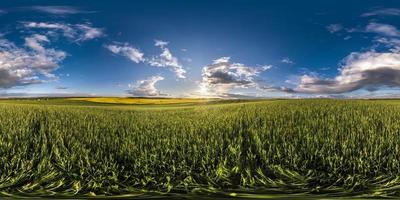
(200, 48)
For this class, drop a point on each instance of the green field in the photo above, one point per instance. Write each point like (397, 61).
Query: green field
(260, 149)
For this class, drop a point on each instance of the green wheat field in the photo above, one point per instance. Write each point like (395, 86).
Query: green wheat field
(316, 148)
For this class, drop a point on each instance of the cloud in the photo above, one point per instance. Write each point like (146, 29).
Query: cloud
(166, 59)
(393, 44)
(35, 42)
(222, 76)
(130, 52)
(146, 87)
(30, 65)
(277, 89)
(383, 29)
(369, 70)
(67, 30)
(387, 30)
(59, 10)
(76, 32)
(333, 28)
(238, 96)
(287, 60)
(383, 11)
(89, 32)
(160, 43)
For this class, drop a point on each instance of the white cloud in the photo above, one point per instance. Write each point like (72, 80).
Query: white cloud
(347, 37)
(89, 32)
(35, 42)
(132, 53)
(59, 10)
(166, 59)
(222, 76)
(270, 88)
(383, 11)
(160, 43)
(67, 30)
(287, 60)
(221, 60)
(369, 70)
(76, 32)
(393, 44)
(333, 28)
(384, 29)
(24, 66)
(146, 87)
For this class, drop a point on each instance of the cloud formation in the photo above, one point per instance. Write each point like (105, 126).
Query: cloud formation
(392, 44)
(146, 87)
(222, 76)
(383, 29)
(30, 65)
(76, 32)
(88, 32)
(58, 10)
(382, 11)
(369, 70)
(333, 28)
(166, 59)
(287, 60)
(277, 89)
(130, 52)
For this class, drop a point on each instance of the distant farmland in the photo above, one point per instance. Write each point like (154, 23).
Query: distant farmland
(143, 101)
(85, 147)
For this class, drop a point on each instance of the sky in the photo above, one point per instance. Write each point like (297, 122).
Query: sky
(178, 48)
